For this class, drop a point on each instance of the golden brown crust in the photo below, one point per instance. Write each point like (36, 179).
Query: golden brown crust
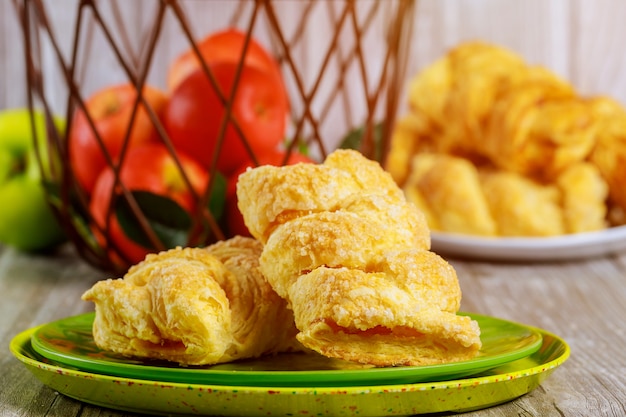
(522, 207)
(484, 104)
(335, 239)
(584, 193)
(457, 197)
(261, 322)
(306, 188)
(402, 312)
(449, 188)
(170, 306)
(367, 174)
(356, 268)
(405, 223)
(609, 153)
(193, 306)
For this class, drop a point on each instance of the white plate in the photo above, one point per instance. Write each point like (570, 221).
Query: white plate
(565, 247)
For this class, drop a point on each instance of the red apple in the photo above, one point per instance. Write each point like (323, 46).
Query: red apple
(111, 112)
(194, 115)
(223, 46)
(151, 168)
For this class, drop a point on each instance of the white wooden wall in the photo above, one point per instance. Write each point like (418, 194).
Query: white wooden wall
(584, 41)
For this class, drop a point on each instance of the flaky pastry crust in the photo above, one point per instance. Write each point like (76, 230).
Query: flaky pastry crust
(355, 267)
(448, 189)
(402, 311)
(522, 207)
(306, 188)
(330, 239)
(193, 306)
(584, 193)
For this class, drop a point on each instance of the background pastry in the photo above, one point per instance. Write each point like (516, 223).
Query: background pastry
(532, 133)
(448, 189)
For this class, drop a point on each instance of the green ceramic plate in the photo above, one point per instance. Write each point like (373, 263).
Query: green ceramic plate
(69, 342)
(495, 386)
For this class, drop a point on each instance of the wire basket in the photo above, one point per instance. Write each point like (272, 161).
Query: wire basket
(341, 64)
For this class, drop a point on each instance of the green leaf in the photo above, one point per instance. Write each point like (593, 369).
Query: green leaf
(169, 221)
(301, 146)
(217, 199)
(53, 191)
(354, 140)
(73, 211)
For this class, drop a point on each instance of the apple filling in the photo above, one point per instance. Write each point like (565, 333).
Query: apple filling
(398, 331)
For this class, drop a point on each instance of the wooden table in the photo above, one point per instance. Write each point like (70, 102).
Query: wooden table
(582, 301)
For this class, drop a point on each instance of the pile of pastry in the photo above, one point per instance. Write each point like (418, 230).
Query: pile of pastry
(340, 264)
(493, 146)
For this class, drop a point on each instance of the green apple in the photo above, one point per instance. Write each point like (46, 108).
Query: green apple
(26, 219)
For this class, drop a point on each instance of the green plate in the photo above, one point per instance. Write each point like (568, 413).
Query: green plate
(69, 342)
(495, 386)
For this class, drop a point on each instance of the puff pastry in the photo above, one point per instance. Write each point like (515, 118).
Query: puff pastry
(194, 306)
(521, 206)
(448, 189)
(584, 193)
(351, 257)
(402, 311)
(306, 188)
(609, 153)
(458, 197)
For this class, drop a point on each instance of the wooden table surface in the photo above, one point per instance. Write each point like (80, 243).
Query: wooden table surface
(583, 301)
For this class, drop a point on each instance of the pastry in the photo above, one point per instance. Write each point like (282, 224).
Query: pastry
(334, 239)
(522, 207)
(584, 193)
(306, 188)
(401, 311)
(609, 152)
(448, 189)
(194, 306)
(525, 153)
(355, 266)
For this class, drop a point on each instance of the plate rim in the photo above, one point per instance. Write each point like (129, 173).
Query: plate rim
(561, 247)
(341, 377)
(21, 339)
(500, 385)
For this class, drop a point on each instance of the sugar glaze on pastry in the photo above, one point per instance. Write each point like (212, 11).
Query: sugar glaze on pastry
(351, 257)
